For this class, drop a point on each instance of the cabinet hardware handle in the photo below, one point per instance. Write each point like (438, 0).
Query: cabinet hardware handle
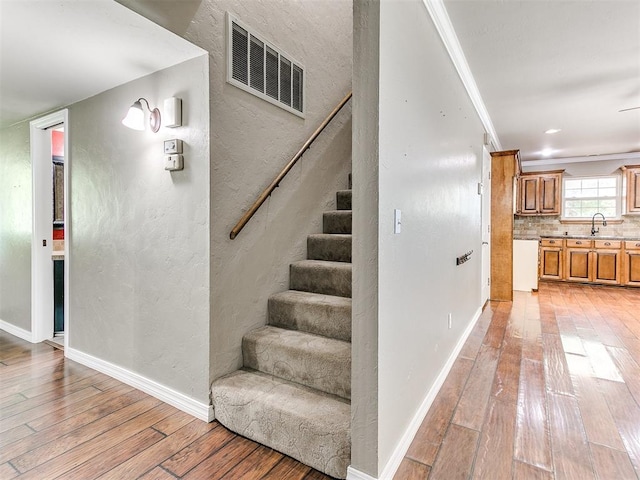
(637, 244)
(553, 241)
(578, 243)
(606, 244)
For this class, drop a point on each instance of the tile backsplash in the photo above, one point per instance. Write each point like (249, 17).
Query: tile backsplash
(539, 226)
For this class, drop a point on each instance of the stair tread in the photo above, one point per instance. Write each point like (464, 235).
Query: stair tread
(337, 236)
(308, 425)
(313, 360)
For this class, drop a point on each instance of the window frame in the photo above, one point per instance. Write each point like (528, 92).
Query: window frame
(251, 32)
(618, 197)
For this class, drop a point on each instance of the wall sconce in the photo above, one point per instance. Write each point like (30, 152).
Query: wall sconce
(135, 117)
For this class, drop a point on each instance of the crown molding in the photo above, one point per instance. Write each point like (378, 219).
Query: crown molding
(589, 158)
(441, 19)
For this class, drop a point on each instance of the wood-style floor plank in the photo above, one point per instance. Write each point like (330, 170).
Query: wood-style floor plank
(532, 444)
(611, 464)
(455, 457)
(524, 471)
(494, 458)
(411, 470)
(255, 465)
(473, 402)
(217, 465)
(556, 376)
(289, 469)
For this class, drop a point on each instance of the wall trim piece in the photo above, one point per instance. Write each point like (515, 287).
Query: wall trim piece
(441, 19)
(589, 158)
(353, 474)
(179, 400)
(16, 331)
(393, 464)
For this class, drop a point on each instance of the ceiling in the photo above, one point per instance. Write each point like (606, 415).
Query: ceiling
(569, 65)
(55, 53)
(538, 64)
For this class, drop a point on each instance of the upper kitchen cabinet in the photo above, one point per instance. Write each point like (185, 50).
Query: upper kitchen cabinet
(539, 193)
(633, 188)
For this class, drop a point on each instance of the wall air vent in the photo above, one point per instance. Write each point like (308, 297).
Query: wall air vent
(262, 69)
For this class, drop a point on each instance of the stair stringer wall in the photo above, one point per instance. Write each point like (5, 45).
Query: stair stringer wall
(251, 141)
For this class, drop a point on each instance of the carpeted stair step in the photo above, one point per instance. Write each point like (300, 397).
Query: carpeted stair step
(319, 276)
(311, 360)
(331, 247)
(343, 200)
(310, 426)
(325, 315)
(336, 221)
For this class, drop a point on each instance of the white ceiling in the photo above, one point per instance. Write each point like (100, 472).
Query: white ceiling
(539, 64)
(543, 64)
(55, 53)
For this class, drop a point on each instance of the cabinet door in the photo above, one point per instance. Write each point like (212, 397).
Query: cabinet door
(578, 265)
(632, 268)
(551, 263)
(528, 195)
(633, 190)
(549, 194)
(606, 266)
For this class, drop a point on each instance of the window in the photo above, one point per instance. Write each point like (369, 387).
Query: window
(263, 70)
(582, 197)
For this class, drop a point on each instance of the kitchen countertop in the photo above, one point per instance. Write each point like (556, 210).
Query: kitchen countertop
(588, 237)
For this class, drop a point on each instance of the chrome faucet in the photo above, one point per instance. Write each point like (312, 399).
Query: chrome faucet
(593, 223)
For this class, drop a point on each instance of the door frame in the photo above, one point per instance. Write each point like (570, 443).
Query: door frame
(485, 233)
(42, 218)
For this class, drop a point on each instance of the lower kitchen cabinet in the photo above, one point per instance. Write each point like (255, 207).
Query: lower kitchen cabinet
(631, 261)
(551, 259)
(608, 262)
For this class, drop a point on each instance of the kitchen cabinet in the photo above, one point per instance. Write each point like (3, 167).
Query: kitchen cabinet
(606, 257)
(631, 263)
(602, 261)
(633, 189)
(578, 261)
(551, 259)
(539, 193)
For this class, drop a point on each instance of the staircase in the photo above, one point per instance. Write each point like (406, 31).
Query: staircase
(293, 393)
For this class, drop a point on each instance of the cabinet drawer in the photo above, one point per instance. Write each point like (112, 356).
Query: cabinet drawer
(608, 244)
(632, 245)
(580, 243)
(551, 242)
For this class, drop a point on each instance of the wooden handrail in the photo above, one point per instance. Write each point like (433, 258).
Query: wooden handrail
(276, 182)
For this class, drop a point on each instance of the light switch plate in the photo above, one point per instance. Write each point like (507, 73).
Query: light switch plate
(172, 146)
(174, 162)
(397, 221)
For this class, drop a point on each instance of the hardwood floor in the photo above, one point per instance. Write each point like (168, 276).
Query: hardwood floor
(59, 419)
(546, 387)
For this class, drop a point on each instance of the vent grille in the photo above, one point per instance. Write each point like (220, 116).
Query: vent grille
(262, 69)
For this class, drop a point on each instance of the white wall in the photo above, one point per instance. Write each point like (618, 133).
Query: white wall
(430, 160)
(251, 142)
(15, 226)
(139, 235)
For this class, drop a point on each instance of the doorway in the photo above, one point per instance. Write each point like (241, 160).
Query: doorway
(486, 225)
(50, 242)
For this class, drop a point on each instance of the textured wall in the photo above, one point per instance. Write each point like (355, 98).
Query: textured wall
(139, 235)
(430, 163)
(364, 371)
(15, 226)
(252, 140)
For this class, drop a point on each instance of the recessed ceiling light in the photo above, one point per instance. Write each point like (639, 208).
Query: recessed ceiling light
(551, 131)
(547, 152)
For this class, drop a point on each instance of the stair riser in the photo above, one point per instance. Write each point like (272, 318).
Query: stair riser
(327, 320)
(343, 200)
(325, 369)
(336, 222)
(328, 281)
(333, 249)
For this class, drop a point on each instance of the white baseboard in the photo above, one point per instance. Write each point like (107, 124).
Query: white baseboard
(161, 392)
(353, 474)
(16, 331)
(392, 465)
